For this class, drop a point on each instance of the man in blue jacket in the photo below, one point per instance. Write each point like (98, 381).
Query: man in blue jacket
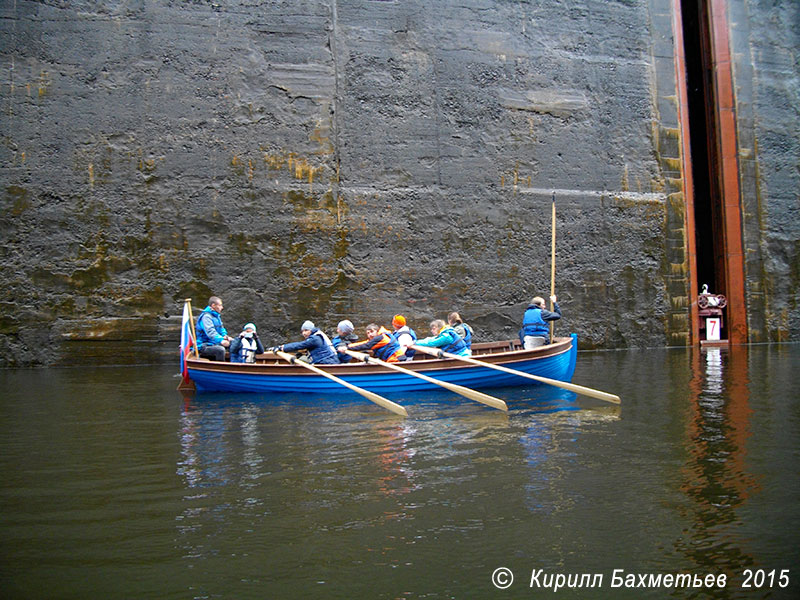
(535, 330)
(212, 337)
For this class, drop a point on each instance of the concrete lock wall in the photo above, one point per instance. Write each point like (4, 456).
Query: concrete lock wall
(765, 48)
(327, 159)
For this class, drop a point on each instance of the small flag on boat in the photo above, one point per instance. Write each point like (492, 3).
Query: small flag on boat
(186, 340)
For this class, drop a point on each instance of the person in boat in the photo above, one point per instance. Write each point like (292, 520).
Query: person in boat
(245, 347)
(463, 330)
(344, 336)
(405, 336)
(535, 330)
(380, 343)
(445, 338)
(212, 337)
(316, 343)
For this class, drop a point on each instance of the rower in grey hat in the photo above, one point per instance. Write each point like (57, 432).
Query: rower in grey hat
(317, 345)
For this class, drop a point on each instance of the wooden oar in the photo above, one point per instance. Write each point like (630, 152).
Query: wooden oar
(379, 400)
(578, 389)
(458, 389)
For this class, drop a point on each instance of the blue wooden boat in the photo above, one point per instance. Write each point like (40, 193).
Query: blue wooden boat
(270, 374)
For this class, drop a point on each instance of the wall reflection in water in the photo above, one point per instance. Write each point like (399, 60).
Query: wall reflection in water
(715, 477)
(220, 465)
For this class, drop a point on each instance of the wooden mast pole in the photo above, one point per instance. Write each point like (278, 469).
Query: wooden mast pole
(553, 265)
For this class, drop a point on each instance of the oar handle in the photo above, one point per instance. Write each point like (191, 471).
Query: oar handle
(360, 356)
(437, 352)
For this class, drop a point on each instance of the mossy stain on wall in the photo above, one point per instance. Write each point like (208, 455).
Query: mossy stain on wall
(17, 200)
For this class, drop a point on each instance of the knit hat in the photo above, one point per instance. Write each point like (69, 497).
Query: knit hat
(249, 325)
(307, 325)
(399, 321)
(345, 326)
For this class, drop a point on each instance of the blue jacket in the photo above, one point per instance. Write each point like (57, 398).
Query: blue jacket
(318, 346)
(534, 322)
(448, 340)
(383, 346)
(467, 334)
(350, 338)
(209, 328)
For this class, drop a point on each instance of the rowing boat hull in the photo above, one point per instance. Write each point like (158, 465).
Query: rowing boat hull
(554, 361)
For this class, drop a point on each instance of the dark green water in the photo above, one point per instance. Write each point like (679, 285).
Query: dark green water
(112, 485)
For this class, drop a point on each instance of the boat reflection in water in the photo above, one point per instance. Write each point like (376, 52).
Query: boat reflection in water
(299, 466)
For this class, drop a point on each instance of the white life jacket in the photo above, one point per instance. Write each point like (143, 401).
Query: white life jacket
(248, 351)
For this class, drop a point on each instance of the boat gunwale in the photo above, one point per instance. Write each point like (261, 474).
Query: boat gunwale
(268, 366)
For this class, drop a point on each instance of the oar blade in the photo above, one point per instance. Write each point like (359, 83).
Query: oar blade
(372, 396)
(475, 395)
(387, 404)
(578, 389)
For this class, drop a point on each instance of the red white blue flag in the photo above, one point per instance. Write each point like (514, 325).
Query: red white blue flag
(186, 340)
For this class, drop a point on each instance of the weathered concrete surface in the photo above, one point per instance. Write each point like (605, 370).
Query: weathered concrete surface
(765, 41)
(330, 159)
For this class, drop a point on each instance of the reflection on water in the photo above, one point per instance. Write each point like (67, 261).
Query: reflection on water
(396, 455)
(112, 485)
(716, 476)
